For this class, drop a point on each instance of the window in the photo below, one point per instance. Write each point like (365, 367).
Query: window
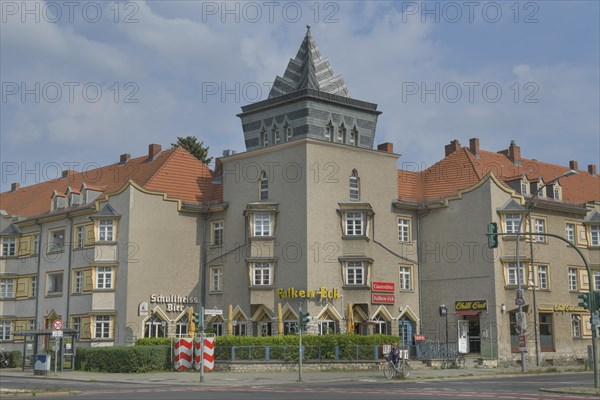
(576, 325)
(217, 233)
(540, 227)
(264, 187)
(105, 230)
(542, 274)
(596, 276)
(512, 274)
(570, 230)
(511, 223)
(354, 186)
(403, 229)
(595, 235)
(572, 279)
(265, 138)
(276, 135)
(155, 326)
(34, 286)
(261, 273)
(5, 330)
(240, 328)
(556, 192)
(405, 278)
(56, 240)
(9, 246)
(354, 224)
(102, 327)
(76, 325)
(104, 277)
(290, 327)
(524, 187)
(181, 327)
(327, 327)
(54, 283)
(329, 131)
(355, 273)
(288, 132)
(216, 279)
(36, 243)
(79, 236)
(354, 136)
(262, 224)
(7, 288)
(381, 326)
(78, 282)
(342, 134)
(546, 332)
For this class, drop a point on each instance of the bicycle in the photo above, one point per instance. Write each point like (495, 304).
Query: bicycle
(396, 364)
(454, 361)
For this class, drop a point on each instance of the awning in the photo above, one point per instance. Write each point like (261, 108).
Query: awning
(470, 312)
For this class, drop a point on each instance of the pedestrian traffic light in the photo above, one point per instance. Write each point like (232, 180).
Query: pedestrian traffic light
(584, 300)
(304, 321)
(492, 235)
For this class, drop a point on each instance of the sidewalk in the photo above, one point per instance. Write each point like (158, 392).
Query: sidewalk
(275, 378)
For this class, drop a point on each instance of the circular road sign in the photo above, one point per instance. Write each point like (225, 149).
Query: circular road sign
(57, 325)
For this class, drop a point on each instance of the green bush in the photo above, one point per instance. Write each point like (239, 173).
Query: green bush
(153, 342)
(15, 359)
(125, 359)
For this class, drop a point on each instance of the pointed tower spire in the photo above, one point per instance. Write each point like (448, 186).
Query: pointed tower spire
(309, 71)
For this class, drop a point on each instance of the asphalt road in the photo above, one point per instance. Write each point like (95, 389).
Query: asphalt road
(519, 387)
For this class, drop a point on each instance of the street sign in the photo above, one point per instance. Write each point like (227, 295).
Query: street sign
(57, 325)
(519, 297)
(208, 311)
(57, 334)
(595, 318)
(522, 343)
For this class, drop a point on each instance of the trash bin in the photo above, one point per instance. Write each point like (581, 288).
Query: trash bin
(41, 365)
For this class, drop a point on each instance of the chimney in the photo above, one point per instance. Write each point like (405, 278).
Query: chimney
(387, 147)
(452, 147)
(15, 185)
(514, 152)
(66, 173)
(474, 146)
(124, 158)
(574, 165)
(592, 169)
(153, 151)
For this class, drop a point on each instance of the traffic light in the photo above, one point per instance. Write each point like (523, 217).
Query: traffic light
(492, 235)
(596, 302)
(443, 310)
(584, 300)
(198, 319)
(304, 321)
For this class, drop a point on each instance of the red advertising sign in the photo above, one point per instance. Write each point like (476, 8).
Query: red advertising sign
(377, 298)
(383, 287)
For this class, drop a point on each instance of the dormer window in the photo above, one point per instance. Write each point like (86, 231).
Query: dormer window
(264, 187)
(556, 191)
(329, 131)
(275, 132)
(524, 186)
(540, 185)
(354, 186)
(59, 201)
(342, 134)
(288, 132)
(74, 199)
(354, 136)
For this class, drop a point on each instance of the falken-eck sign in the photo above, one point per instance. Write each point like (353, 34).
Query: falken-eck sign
(471, 305)
(379, 298)
(383, 287)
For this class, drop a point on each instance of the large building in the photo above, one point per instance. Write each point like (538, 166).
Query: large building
(310, 217)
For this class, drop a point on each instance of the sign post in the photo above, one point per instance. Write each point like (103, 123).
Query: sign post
(57, 333)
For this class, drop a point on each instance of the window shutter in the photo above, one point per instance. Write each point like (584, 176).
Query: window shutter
(22, 287)
(24, 246)
(89, 235)
(88, 283)
(86, 328)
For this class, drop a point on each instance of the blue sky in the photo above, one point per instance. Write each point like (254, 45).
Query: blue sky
(156, 62)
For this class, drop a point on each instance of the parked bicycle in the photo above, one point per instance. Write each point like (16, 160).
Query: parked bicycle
(396, 364)
(454, 360)
(4, 359)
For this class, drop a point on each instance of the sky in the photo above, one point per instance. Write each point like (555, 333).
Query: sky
(86, 81)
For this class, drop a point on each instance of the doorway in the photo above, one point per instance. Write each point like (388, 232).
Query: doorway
(474, 330)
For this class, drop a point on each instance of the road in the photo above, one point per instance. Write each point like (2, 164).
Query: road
(512, 387)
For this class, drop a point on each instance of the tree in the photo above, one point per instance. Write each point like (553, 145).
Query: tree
(190, 143)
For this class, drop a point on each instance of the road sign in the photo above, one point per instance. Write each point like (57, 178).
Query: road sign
(208, 311)
(57, 334)
(595, 318)
(57, 325)
(522, 343)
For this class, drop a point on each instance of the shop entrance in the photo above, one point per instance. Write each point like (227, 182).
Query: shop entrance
(474, 330)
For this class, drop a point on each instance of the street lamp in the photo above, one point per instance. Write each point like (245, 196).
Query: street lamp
(444, 313)
(528, 204)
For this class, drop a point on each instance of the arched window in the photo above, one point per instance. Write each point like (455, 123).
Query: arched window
(354, 186)
(264, 187)
(275, 132)
(342, 134)
(329, 131)
(354, 136)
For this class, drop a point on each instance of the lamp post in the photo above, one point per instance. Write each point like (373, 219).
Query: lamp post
(517, 256)
(444, 313)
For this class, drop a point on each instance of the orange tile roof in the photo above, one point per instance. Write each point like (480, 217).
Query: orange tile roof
(174, 171)
(462, 169)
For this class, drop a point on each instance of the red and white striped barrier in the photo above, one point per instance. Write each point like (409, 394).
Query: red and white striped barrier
(183, 354)
(209, 353)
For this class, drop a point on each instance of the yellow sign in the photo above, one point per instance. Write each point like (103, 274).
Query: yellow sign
(322, 292)
(567, 308)
(472, 305)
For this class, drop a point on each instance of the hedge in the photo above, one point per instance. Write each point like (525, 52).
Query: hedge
(126, 359)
